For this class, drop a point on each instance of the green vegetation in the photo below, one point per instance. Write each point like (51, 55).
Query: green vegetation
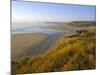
(58, 27)
(82, 23)
(78, 24)
(75, 52)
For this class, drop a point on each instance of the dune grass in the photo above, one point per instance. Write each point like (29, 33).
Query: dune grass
(75, 52)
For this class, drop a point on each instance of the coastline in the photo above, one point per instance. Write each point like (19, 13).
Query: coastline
(21, 42)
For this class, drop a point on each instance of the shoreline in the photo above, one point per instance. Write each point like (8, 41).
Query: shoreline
(43, 46)
(21, 42)
(45, 43)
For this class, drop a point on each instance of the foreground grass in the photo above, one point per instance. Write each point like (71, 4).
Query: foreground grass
(75, 52)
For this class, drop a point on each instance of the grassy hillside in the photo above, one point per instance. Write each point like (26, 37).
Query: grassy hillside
(82, 23)
(75, 52)
(73, 25)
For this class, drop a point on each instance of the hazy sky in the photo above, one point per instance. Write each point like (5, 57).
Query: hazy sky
(27, 12)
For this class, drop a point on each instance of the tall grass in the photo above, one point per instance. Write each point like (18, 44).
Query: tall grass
(74, 53)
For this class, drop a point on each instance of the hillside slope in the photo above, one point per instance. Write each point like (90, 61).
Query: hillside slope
(75, 52)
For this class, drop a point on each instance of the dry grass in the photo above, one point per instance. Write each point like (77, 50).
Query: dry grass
(73, 53)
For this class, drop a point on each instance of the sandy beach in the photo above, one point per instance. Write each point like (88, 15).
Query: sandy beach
(22, 42)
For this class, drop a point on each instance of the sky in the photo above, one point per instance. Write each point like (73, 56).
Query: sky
(29, 12)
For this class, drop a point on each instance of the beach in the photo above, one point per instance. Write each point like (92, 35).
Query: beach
(22, 42)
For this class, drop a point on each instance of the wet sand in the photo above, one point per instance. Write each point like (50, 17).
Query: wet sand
(32, 44)
(22, 42)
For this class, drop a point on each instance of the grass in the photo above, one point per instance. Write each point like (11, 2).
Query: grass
(75, 52)
(82, 23)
